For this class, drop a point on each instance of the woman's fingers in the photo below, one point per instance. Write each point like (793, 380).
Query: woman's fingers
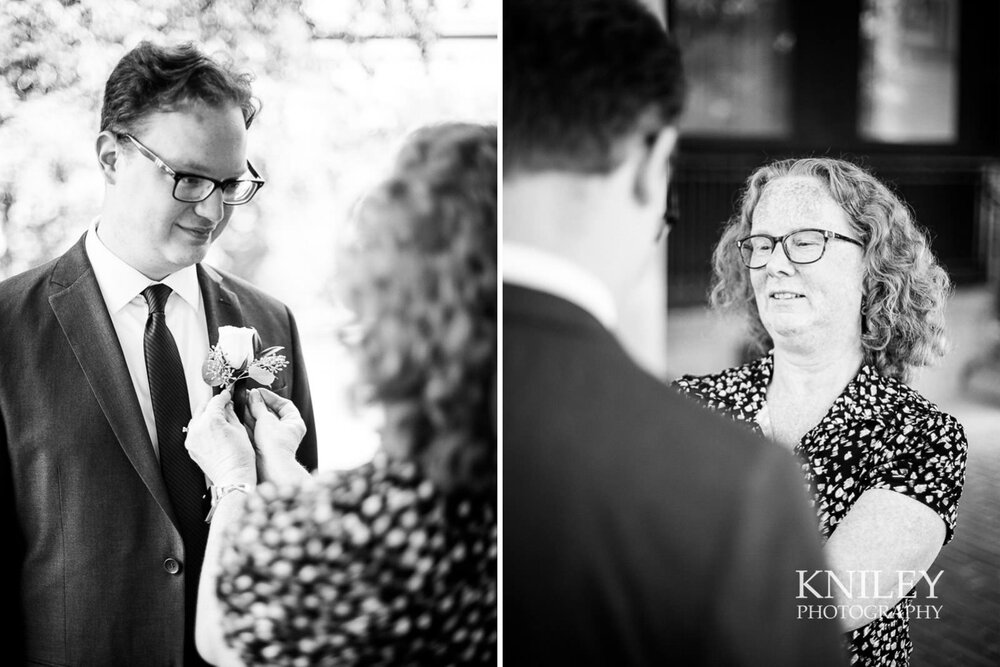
(216, 404)
(258, 409)
(219, 402)
(200, 410)
(231, 414)
(282, 407)
(222, 405)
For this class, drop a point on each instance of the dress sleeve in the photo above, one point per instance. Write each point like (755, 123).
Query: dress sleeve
(927, 464)
(276, 584)
(359, 566)
(687, 385)
(695, 388)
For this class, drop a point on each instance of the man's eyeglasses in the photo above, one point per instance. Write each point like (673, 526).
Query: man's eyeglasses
(803, 246)
(192, 188)
(671, 217)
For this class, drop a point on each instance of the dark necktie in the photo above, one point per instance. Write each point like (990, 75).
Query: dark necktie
(185, 481)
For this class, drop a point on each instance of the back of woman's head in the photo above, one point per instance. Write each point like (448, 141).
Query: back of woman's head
(421, 276)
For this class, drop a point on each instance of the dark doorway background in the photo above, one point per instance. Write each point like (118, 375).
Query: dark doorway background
(804, 97)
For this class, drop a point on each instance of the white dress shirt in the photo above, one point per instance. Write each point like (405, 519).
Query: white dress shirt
(539, 270)
(122, 286)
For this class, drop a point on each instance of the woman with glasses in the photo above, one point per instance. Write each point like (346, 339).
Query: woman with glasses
(844, 298)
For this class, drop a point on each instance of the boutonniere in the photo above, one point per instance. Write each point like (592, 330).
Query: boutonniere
(233, 359)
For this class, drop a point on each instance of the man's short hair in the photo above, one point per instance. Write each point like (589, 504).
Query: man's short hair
(579, 77)
(152, 78)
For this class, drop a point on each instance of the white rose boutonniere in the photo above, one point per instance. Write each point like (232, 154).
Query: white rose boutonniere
(237, 344)
(233, 359)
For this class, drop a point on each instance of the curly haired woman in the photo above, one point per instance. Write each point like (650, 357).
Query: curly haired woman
(839, 286)
(393, 562)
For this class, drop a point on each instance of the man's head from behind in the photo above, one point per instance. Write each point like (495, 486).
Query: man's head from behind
(172, 149)
(582, 78)
(591, 92)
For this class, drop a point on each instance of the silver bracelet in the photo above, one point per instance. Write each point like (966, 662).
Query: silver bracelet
(220, 492)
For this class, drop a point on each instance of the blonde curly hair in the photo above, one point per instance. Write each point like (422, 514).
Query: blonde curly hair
(905, 288)
(420, 273)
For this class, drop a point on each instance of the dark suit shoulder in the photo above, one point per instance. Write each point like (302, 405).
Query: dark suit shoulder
(24, 301)
(714, 452)
(572, 393)
(24, 286)
(673, 420)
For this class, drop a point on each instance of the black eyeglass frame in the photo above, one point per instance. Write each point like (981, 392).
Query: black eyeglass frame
(178, 175)
(671, 216)
(775, 240)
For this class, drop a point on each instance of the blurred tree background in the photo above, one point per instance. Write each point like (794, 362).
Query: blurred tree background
(341, 81)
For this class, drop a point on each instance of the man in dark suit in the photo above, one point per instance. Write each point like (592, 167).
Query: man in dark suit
(101, 369)
(638, 528)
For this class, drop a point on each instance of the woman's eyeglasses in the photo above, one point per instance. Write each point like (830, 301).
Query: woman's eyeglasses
(803, 246)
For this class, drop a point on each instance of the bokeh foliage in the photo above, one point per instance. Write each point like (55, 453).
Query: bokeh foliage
(313, 75)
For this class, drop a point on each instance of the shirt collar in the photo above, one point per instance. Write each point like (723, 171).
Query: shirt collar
(120, 282)
(543, 271)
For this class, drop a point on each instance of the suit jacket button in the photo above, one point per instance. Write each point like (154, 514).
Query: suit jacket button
(172, 565)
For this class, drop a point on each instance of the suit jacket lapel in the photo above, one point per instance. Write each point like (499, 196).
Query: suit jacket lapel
(222, 306)
(78, 305)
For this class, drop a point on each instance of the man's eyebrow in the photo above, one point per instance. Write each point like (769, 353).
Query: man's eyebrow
(198, 169)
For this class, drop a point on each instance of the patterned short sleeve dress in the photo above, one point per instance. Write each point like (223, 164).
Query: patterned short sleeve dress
(374, 566)
(878, 434)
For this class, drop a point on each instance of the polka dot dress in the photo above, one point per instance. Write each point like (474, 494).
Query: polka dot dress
(878, 434)
(369, 567)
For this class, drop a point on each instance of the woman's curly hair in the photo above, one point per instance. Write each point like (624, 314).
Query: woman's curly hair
(421, 276)
(905, 289)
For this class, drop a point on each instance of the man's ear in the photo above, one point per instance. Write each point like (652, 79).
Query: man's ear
(654, 168)
(108, 154)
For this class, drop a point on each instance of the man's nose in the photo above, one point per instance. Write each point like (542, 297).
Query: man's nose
(212, 208)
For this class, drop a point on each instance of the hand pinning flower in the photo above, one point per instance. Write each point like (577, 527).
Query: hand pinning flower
(232, 359)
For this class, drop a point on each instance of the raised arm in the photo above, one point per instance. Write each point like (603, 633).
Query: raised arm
(208, 622)
(885, 536)
(900, 522)
(218, 443)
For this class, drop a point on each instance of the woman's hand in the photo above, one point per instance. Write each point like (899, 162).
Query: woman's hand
(278, 427)
(219, 444)
(277, 431)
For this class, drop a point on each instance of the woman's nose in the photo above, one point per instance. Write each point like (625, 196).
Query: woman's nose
(778, 262)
